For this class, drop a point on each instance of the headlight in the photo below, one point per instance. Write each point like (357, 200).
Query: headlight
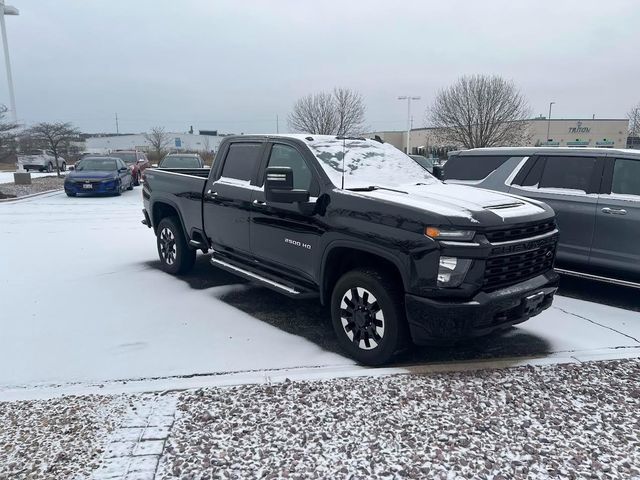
(438, 233)
(452, 270)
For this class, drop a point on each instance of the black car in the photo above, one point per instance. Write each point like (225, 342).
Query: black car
(98, 175)
(181, 160)
(397, 255)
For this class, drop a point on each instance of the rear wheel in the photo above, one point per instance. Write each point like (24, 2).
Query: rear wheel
(70, 194)
(367, 311)
(50, 167)
(130, 187)
(174, 252)
(64, 166)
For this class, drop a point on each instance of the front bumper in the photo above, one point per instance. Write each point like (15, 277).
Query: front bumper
(440, 321)
(98, 188)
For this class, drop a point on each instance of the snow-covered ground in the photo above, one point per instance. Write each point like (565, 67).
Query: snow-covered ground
(7, 177)
(82, 300)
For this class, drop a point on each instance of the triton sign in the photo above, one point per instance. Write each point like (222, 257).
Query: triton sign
(579, 128)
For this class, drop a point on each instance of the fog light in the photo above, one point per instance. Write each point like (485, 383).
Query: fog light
(452, 270)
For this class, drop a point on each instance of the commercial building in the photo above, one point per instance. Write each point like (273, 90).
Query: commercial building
(610, 133)
(175, 142)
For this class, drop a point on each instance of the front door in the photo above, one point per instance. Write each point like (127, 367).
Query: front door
(285, 235)
(616, 242)
(226, 202)
(569, 185)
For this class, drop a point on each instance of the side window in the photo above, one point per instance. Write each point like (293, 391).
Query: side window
(626, 177)
(531, 178)
(472, 167)
(286, 156)
(241, 161)
(572, 173)
(120, 164)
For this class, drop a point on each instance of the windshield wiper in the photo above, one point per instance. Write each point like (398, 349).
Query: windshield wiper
(371, 188)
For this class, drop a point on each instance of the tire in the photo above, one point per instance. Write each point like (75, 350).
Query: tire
(41, 169)
(70, 194)
(64, 166)
(130, 187)
(50, 167)
(174, 252)
(369, 302)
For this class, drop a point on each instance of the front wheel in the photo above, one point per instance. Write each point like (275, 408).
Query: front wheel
(50, 167)
(174, 252)
(367, 311)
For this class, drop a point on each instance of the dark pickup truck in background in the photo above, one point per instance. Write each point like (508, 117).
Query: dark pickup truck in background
(395, 253)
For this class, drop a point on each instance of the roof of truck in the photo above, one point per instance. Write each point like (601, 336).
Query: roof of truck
(547, 150)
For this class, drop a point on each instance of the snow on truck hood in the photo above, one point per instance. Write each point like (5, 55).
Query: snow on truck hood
(459, 201)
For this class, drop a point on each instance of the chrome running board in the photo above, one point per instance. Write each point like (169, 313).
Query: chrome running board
(598, 278)
(253, 276)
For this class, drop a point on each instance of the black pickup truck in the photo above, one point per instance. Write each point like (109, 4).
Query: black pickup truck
(396, 254)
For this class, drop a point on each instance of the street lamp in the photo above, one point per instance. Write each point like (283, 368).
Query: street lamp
(408, 98)
(549, 122)
(8, 10)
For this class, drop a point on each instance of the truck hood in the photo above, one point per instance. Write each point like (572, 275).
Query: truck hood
(91, 174)
(465, 206)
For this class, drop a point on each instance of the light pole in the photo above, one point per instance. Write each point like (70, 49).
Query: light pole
(549, 122)
(408, 98)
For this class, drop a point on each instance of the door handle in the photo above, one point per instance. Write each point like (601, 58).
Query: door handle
(614, 211)
(210, 195)
(259, 203)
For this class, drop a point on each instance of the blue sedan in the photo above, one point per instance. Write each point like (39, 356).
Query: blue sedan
(99, 175)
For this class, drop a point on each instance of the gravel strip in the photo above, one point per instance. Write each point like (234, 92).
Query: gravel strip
(56, 439)
(40, 184)
(568, 421)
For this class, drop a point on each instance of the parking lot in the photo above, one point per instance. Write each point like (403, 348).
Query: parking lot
(84, 302)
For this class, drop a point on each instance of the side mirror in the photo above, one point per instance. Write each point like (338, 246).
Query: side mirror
(278, 187)
(72, 167)
(123, 169)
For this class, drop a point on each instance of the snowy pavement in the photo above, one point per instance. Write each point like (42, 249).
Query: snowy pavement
(83, 302)
(7, 177)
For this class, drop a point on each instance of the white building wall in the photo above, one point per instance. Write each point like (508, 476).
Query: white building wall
(177, 142)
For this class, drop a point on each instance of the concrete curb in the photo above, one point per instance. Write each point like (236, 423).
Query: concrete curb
(268, 377)
(32, 195)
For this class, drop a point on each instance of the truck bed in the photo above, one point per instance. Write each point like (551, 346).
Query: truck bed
(180, 187)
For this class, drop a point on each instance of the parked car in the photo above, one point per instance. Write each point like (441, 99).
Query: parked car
(98, 175)
(424, 162)
(136, 160)
(595, 193)
(42, 160)
(396, 253)
(181, 160)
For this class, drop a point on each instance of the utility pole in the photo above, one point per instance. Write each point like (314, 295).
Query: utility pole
(8, 10)
(408, 98)
(549, 122)
(117, 128)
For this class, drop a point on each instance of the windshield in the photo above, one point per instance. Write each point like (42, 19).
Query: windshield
(127, 157)
(424, 162)
(180, 161)
(99, 164)
(367, 163)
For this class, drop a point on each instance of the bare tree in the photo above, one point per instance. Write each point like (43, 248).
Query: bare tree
(634, 121)
(159, 140)
(340, 112)
(480, 111)
(54, 135)
(7, 134)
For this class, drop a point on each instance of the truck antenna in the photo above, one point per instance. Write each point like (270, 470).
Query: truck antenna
(344, 153)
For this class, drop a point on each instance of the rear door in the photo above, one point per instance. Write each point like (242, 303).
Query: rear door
(616, 242)
(570, 185)
(226, 207)
(286, 235)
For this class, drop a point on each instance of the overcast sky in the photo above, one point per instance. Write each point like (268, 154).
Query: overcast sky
(234, 65)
